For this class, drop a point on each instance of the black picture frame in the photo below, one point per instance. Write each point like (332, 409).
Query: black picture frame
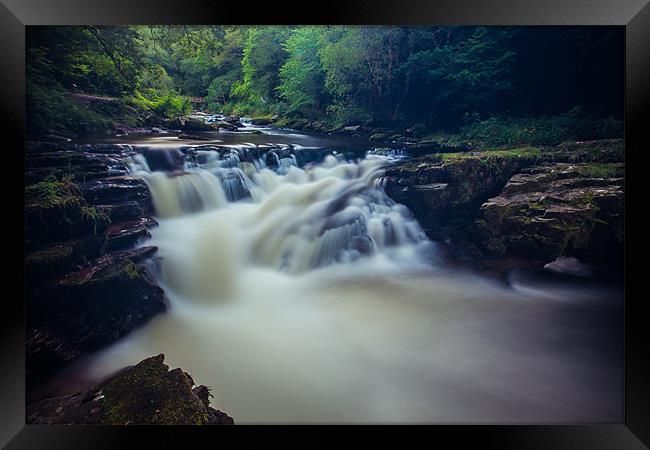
(634, 15)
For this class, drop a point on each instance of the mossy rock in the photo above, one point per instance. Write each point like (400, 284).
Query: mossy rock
(56, 210)
(147, 393)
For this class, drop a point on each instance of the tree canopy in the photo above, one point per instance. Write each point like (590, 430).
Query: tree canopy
(442, 77)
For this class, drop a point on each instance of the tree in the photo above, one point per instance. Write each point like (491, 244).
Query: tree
(263, 56)
(302, 75)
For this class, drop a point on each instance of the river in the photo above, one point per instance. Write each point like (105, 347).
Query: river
(301, 293)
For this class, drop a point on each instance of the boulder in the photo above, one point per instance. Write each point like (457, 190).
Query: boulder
(145, 394)
(231, 119)
(260, 121)
(192, 124)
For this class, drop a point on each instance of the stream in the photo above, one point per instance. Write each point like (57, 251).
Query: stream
(301, 293)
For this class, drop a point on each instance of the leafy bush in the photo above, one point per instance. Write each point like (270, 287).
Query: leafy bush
(166, 104)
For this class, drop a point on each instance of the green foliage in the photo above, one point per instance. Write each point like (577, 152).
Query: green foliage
(263, 55)
(302, 75)
(574, 125)
(444, 78)
(166, 104)
(53, 193)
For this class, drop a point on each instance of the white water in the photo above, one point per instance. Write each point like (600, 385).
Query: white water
(317, 299)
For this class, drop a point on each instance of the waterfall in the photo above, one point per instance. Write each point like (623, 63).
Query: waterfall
(227, 207)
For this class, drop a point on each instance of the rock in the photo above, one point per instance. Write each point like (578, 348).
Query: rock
(59, 258)
(75, 164)
(441, 189)
(231, 119)
(118, 189)
(120, 212)
(165, 159)
(379, 137)
(147, 393)
(89, 309)
(351, 129)
(557, 210)
(177, 123)
(261, 120)
(192, 124)
(127, 234)
(56, 211)
(223, 125)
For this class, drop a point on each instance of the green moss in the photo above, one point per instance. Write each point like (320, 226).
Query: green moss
(90, 213)
(601, 170)
(487, 156)
(131, 270)
(51, 193)
(147, 393)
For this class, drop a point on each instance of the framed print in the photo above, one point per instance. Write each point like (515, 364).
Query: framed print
(387, 215)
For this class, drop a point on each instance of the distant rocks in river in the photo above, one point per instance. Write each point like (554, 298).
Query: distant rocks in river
(145, 394)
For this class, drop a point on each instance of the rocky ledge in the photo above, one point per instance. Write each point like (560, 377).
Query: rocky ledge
(147, 393)
(532, 203)
(557, 209)
(88, 282)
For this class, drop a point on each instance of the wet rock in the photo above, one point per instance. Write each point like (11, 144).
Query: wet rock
(124, 211)
(166, 159)
(56, 211)
(73, 165)
(147, 393)
(59, 258)
(89, 309)
(118, 189)
(555, 210)
(126, 234)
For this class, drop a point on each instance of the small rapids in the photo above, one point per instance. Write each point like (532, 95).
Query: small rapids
(301, 293)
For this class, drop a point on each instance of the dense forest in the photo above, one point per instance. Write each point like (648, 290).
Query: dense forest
(502, 84)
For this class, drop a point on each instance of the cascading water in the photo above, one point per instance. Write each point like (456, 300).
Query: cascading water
(302, 293)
